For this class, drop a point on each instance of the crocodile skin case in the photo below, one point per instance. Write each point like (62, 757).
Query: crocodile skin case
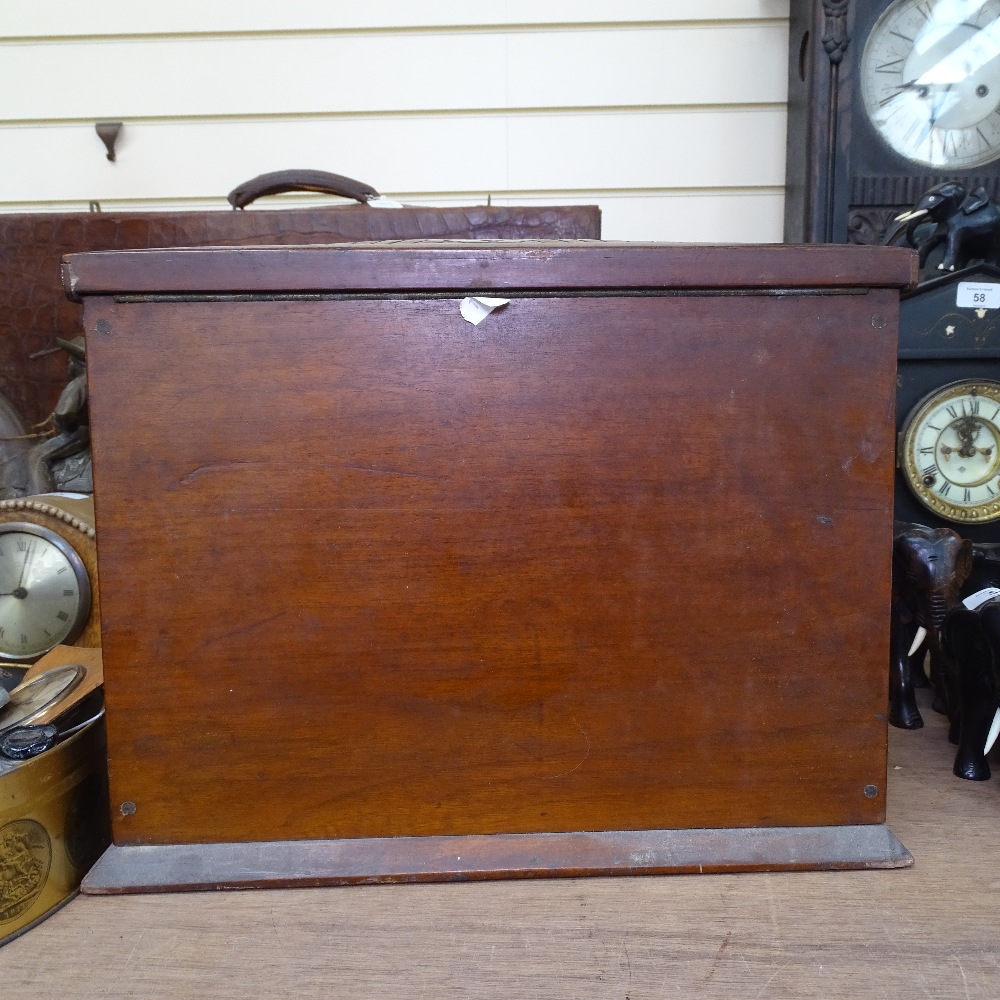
(34, 311)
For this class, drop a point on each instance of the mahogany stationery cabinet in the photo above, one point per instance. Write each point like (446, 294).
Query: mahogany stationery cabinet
(599, 584)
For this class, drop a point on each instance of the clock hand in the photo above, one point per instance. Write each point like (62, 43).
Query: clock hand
(903, 88)
(940, 99)
(968, 429)
(966, 59)
(24, 566)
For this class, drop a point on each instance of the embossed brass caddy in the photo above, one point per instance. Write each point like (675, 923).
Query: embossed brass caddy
(53, 825)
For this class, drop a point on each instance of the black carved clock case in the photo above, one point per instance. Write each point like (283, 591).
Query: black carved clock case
(843, 182)
(940, 343)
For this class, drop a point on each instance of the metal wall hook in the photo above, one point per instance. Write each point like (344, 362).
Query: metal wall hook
(108, 133)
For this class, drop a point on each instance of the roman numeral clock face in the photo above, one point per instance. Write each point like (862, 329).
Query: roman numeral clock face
(949, 451)
(44, 591)
(930, 80)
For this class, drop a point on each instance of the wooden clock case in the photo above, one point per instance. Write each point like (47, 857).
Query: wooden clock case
(843, 183)
(599, 585)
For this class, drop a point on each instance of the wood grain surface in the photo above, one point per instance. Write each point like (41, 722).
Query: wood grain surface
(443, 264)
(929, 931)
(369, 571)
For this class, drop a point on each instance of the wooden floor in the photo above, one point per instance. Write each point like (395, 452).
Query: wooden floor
(930, 931)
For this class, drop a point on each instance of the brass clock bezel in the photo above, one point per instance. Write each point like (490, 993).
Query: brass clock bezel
(80, 574)
(914, 475)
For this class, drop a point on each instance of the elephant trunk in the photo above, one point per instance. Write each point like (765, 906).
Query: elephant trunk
(912, 220)
(930, 617)
(939, 603)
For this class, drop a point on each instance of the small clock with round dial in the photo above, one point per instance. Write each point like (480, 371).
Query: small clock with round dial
(949, 451)
(48, 576)
(44, 591)
(930, 81)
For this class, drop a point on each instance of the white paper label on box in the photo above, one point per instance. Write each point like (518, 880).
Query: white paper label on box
(977, 295)
(476, 309)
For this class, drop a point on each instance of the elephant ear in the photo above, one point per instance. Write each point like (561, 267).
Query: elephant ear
(989, 620)
(977, 199)
(963, 638)
(963, 562)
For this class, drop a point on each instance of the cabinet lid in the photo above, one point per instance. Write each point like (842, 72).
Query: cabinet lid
(480, 265)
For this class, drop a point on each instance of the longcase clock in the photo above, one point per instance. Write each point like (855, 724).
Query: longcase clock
(887, 98)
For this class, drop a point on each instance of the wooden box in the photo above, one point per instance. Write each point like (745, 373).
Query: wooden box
(598, 585)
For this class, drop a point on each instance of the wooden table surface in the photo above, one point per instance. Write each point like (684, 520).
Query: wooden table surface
(930, 931)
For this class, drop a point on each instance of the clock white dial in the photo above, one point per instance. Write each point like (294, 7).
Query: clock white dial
(44, 591)
(930, 80)
(950, 451)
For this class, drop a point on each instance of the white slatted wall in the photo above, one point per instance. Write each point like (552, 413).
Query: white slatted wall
(670, 115)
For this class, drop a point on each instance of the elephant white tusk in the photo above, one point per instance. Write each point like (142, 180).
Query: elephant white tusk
(994, 733)
(914, 214)
(917, 640)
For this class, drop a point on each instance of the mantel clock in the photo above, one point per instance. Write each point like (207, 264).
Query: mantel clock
(887, 98)
(948, 402)
(48, 576)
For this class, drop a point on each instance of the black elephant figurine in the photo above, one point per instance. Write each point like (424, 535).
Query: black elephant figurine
(968, 224)
(929, 566)
(971, 638)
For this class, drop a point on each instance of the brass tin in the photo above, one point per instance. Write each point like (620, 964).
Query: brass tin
(53, 825)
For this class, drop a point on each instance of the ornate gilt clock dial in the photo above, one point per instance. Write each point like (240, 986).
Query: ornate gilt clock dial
(950, 451)
(930, 81)
(45, 591)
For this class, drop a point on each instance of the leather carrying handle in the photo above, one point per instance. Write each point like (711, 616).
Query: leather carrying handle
(300, 180)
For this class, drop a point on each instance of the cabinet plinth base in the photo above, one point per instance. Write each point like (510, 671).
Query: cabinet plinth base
(279, 864)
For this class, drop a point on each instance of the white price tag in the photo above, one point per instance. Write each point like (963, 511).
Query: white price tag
(980, 597)
(475, 310)
(977, 295)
